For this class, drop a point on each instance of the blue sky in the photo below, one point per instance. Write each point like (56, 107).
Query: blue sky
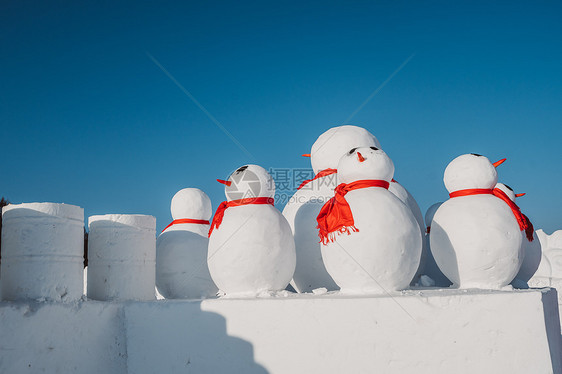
(88, 118)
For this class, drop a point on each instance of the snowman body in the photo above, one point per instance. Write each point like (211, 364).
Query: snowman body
(384, 254)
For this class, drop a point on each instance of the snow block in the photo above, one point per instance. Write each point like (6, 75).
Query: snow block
(423, 331)
(426, 331)
(122, 257)
(42, 252)
(79, 337)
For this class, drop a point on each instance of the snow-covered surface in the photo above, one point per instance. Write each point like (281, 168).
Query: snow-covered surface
(42, 251)
(419, 331)
(121, 257)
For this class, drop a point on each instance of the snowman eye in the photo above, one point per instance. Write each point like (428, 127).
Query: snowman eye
(476, 154)
(374, 148)
(351, 152)
(242, 168)
(509, 188)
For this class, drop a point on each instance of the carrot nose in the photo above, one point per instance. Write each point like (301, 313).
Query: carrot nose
(306, 155)
(498, 163)
(226, 183)
(520, 194)
(360, 157)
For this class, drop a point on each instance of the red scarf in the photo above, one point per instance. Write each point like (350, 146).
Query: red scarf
(523, 221)
(187, 220)
(320, 174)
(335, 217)
(219, 214)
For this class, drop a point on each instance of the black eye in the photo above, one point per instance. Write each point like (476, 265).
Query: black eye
(476, 154)
(351, 152)
(509, 188)
(374, 148)
(242, 168)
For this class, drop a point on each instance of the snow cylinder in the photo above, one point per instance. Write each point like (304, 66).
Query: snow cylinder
(122, 257)
(42, 252)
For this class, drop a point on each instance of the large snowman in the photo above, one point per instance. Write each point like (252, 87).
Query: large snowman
(303, 207)
(251, 247)
(371, 241)
(476, 235)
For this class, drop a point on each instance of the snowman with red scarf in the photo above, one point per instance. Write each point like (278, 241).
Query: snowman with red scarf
(476, 235)
(251, 247)
(371, 241)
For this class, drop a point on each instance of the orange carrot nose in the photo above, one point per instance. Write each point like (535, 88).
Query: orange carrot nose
(306, 155)
(227, 183)
(498, 163)
(360, 156)
(520, 194)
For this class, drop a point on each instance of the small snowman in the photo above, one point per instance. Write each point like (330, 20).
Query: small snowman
(532, 251)
(181, 249)
(251, 246)
(371, 241)
(476, 235)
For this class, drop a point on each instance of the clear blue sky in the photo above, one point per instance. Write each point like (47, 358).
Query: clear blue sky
(88, 118)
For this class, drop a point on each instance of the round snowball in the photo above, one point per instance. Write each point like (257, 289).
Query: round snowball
(470, 171)
(191, 203)
(249, 181)
(332, 144)
(375, 165)
(507, 190)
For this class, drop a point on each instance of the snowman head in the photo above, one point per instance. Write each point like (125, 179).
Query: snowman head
(470, 171)
(331, 145)
(248, 181)
(191, 203)
(507, 190)
(365, 163)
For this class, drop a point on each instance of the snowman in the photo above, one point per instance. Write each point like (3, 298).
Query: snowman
(371, 241)
(532, 251)
(305, 204)
(251, 246)
(181, 248)
(476, 235)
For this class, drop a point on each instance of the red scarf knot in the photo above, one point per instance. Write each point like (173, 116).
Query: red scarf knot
(320, 174)
(219, 214)
(187, 220)
(523, 221)
(336, 217)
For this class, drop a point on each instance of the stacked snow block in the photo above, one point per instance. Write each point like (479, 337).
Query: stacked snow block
(42, 252)
(122, 257)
